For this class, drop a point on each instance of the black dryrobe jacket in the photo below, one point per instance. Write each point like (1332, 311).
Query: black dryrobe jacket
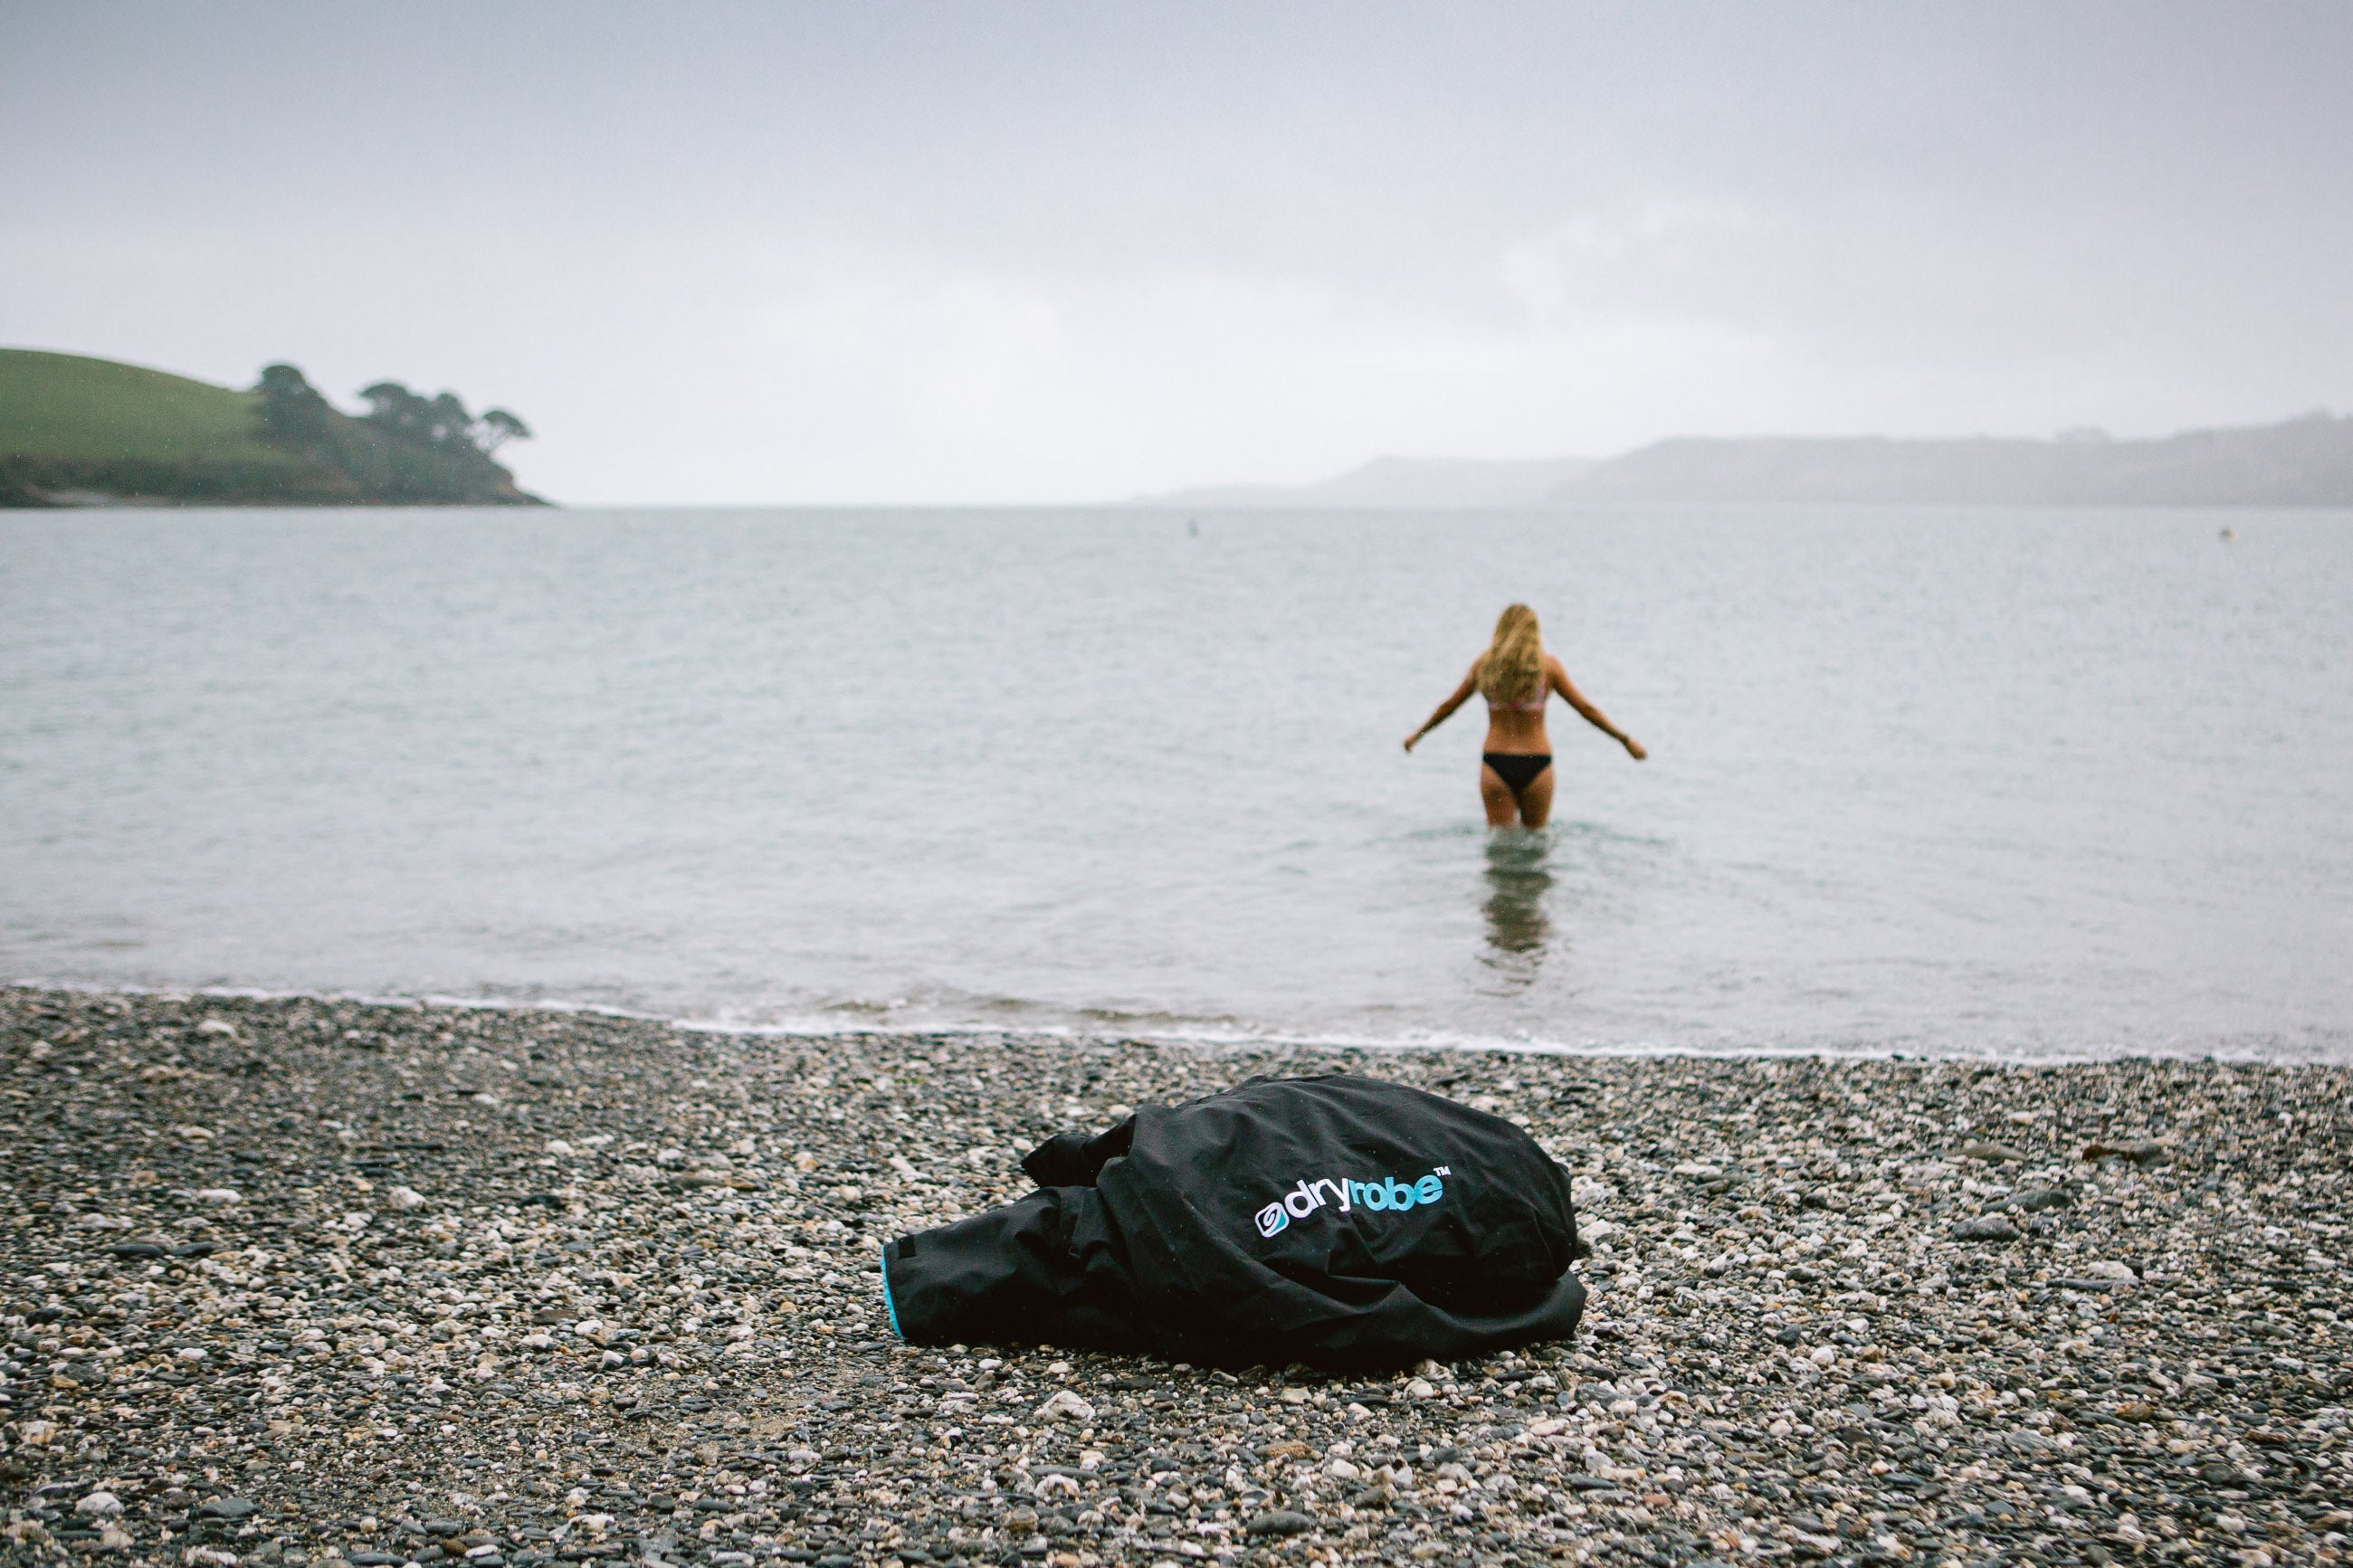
(1338, 1221)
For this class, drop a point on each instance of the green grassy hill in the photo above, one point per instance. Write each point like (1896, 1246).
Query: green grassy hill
(81, 431)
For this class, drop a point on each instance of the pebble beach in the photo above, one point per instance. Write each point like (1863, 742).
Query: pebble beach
(285, 1281)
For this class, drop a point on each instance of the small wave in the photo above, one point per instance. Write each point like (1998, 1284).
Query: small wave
(1108, 1026)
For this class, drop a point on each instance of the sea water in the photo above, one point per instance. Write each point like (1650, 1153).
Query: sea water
(2020, 783)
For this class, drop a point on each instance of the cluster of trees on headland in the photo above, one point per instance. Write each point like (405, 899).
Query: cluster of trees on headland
(405, 448)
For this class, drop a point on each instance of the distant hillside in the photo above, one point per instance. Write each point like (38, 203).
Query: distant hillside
(2301, 462)
(76, 431)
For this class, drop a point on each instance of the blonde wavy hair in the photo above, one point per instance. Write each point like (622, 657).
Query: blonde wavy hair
(1512, 669)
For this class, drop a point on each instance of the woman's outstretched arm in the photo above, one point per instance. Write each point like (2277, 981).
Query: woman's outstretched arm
(1446, 709)
(1593, 716)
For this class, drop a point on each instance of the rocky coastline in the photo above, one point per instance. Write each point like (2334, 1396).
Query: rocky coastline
(287, 1281)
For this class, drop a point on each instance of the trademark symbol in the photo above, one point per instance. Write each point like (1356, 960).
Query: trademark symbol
(1445, 1170)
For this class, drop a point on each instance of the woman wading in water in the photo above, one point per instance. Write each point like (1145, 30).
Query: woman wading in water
(1515, 676)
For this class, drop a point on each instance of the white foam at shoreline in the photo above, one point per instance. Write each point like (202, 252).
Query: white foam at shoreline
(1209, 1039)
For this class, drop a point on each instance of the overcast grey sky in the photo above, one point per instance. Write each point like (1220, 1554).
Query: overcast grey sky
(986, 252)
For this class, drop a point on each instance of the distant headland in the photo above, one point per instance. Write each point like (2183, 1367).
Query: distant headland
(2299, 462)
(76, 431)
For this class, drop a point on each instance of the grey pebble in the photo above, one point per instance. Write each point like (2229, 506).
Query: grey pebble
(1278, 1521)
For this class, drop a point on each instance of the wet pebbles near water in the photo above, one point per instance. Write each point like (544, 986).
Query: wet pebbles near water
(289, 1281)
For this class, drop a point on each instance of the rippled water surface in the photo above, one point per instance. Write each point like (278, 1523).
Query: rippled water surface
(2026, 782)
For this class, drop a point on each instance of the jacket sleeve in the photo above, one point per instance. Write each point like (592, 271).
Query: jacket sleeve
(1045, 1268)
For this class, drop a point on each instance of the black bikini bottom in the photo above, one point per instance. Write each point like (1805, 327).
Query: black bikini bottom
(1517, 769)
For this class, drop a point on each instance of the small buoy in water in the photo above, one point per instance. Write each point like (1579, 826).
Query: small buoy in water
(2230, 533)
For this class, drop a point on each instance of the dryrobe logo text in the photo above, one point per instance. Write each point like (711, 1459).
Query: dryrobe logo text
(1386, 1194)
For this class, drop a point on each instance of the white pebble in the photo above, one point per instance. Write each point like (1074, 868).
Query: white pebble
(1066, 1407)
